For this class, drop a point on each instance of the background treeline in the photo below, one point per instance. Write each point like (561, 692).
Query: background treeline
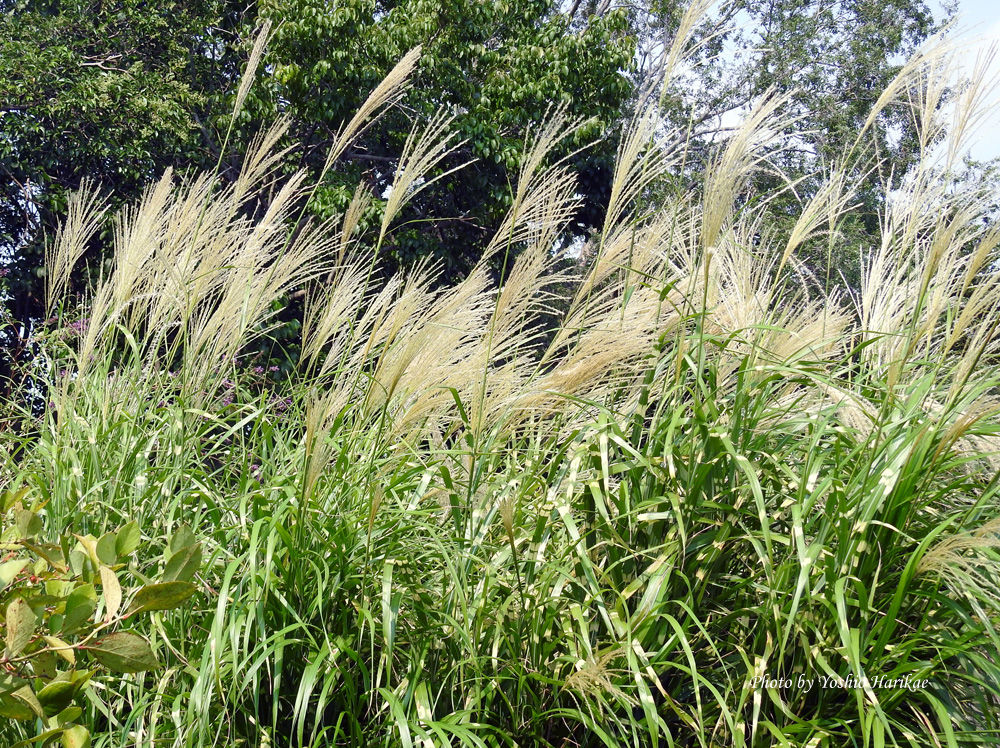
(118, 91)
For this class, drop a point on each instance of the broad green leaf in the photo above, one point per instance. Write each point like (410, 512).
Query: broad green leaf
(69, 714)
(76, 736)
(77, 561)
(20, 626)
(80, 606)
(10, 498)
(44, 664)
(22, 699)
(49, 552)
(89, 544)
(183, 564)
(106, 549)
(182, 538)
(10, 569)
(128, 539)
(42, 738)
(56, 696)
(164, 596)
(79, 678)
(12, 707)
(28, 523)
(10, 683)
(59, 587)
(124, 652)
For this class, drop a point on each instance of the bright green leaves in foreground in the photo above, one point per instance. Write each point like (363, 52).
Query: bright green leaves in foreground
(67, 615)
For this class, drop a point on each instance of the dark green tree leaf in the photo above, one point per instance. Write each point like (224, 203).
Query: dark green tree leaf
(20, 622)
(124, 652)
(163, 596)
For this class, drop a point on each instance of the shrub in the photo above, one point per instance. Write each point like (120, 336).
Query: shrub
(67, 616)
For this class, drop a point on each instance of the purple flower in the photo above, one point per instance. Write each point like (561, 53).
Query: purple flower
(258, 370)
(281, 404)
(273, 368)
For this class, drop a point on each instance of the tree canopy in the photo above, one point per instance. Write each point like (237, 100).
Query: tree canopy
(105, 91)
(118, 91)
(498, 67)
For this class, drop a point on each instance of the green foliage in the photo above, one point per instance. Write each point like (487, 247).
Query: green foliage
(500, 67)
(119, 94)
(833, 60)
(65, 613)
(592, 506)
(109, 92)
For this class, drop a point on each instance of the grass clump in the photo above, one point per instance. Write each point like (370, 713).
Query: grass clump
(452, 526)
